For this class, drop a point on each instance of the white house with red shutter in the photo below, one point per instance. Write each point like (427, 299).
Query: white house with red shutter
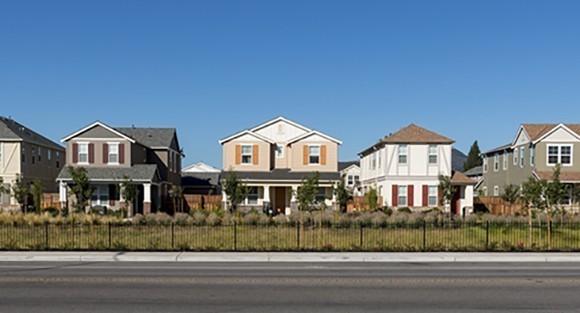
(404, 168)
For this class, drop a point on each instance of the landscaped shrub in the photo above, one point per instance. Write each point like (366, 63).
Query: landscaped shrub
(212, 219)
(404, 210)
(199, 218)
(183, 219)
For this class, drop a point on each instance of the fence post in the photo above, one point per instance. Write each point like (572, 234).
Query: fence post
(110, 236)
(235, 236)
(486, 235)
(172, 235)
(361, 236)
(46, 235)
(424, 235)
(297, 236)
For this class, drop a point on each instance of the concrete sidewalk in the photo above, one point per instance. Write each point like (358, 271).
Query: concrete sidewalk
(13, 256)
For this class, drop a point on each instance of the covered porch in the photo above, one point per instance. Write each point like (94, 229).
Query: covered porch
(462, 202)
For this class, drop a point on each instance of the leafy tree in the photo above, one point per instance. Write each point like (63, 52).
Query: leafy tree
(447, 191)
(36, 189)
(306, 193)
(372, 199)
(236, 191)
(20, 190)
(177, 196)
(342, 194)
(511, 195)
(81, 188)
(129, 191)
(531, 197)
(473, 157)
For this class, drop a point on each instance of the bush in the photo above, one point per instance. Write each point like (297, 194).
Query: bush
(404, 210)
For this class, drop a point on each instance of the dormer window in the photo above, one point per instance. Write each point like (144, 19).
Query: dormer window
(314, 154)
(246, 154)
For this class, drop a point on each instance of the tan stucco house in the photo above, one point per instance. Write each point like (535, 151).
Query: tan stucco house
(274, 157)
(29, 155)
(150, 157)
(534, 152)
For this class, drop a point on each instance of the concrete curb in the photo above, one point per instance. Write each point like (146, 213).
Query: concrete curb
(442, 257)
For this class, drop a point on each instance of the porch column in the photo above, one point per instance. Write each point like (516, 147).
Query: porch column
(62, 194)
(146, 198)
(334, 204)
(224, 200)
(293, 203)
(266, 199)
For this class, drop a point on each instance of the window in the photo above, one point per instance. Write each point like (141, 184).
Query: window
(495, 191)
(516, 156)
(39, 154)
(100, 196)
(505, 160)
(567, 195)
(403, 153)
(246, 154)
(532, 155)
(356, 179)
(496, 162)
(1, 147)
(350, 180)
(113, 153)
(379, 158)
(522, 157)
(83, 153)
(57, 155)
(33, 154)
(485, 164)
(402, 198)
(49, 154)
(432, 154)
(252, 198)
(321, 195)
(432, 196)
(23, 155)
(561, 154)
(485, 191)
(374, 161)
(314, 154)
(279, 151)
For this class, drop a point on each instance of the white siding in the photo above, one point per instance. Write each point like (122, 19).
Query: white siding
(281, 131)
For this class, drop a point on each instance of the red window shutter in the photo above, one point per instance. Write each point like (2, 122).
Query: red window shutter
(440, 195)
(395, 198)
(75, 153)
(91, 153)
(105, 153)
(410, 195)
(121, 153)
(425, 195)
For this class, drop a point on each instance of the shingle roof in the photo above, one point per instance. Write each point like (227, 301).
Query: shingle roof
(497, 149)
(150, 137)
(416, 134)
(200, 179)
(476, 171)
(458, 178)
(346, 164)
(566, 177)
(535, 131)
(283, 175)
(137, 172)
(12, 130)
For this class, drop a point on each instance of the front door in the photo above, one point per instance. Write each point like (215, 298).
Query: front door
(280, 200)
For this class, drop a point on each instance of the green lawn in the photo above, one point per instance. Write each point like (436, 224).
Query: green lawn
(504, 237)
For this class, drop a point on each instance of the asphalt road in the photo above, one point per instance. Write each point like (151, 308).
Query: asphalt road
(289, 287)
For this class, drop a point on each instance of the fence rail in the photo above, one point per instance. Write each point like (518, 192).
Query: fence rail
(490, 236)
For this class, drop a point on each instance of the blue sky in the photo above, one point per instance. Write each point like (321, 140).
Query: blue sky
(356, 70)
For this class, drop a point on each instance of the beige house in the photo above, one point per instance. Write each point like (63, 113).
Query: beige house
(274, 157)
(534, 152)
(30, 156)
(150, 157)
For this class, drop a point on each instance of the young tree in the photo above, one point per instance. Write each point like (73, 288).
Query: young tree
(80, 187)
(554, 194)
(20, 190)
(177, 196)
(372, 199)
(531, 197)
(447, 191)
(342, 194)
(129, 191)
(36, 189)
(511, 195)
(306, 193)
(236, 191)
(473, 157)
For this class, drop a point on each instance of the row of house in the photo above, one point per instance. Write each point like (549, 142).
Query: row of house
(272, 159)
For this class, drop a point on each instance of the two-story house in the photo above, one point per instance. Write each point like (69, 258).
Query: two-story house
(274, 157)
(404, 168)
(350, 170)
(149, 157)
(26, 154)
(534, 152)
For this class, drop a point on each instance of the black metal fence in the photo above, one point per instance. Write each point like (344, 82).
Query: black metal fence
(448, 236)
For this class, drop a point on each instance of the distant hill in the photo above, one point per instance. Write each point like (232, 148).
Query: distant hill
(457, 160)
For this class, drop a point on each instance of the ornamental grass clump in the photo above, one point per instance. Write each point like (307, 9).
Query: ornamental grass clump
(199, 218)
(213, 219)
(183, 219)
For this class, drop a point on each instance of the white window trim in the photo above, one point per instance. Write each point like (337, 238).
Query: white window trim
(109, 144)
(496, 191)
(505, 160)
(247, 200)
(405, 194)
(319, 155)
(435, 154)
(429, 195)
(516, 151)
(251, 162)
(485, 191)
(522, 157)
(79, 152)
(485, 164)
(532, 155)
(496, 162)
(560, 154)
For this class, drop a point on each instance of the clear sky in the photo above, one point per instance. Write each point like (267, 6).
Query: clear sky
(355, 70)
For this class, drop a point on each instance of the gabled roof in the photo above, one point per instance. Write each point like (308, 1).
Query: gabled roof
(278, 119)
(344, 165)
(498, 149)
(537, 132)
(155, 138)
(311, 133)
(458, 178)
(200, 167)
(11, 130)
(246, 132)
(137, 172)
(97, 123)
(416, 134)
